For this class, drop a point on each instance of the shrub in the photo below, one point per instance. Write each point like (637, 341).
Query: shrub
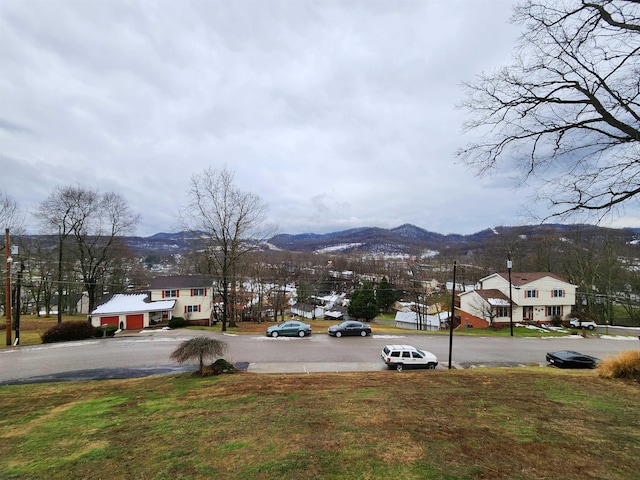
(556, 321)
(111, 330)
(198, 348)
(625, 365)
(222, 366)
(177, 322)
(68, 331)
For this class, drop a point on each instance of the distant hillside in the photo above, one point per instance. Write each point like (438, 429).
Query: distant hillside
(411, 239)
(405, 239)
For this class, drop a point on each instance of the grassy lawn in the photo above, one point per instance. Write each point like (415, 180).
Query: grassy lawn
(525, 423)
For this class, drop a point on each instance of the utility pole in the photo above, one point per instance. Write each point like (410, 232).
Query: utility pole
(18, 297)
(453, 309)
(509, 265)
(7, 302)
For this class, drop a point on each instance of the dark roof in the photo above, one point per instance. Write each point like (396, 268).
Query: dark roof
(523, 278)
(180, 281)
(492, 293)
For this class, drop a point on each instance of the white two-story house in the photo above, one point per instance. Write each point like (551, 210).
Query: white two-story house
(537, 298)
(193, 295)
(186, 296)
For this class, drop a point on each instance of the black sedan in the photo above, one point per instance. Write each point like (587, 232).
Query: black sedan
(570, 359)
(350, 328)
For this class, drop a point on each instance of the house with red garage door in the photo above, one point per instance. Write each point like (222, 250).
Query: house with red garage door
(131, 310)
(193, 295)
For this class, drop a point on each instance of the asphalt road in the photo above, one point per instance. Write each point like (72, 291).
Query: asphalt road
(147, 353)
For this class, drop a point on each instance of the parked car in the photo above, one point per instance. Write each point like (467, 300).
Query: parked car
(349, 328)
(570, 359)
(406, 356)
(576, 323)
(291, 328)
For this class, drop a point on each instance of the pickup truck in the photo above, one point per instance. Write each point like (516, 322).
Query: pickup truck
(574, 322)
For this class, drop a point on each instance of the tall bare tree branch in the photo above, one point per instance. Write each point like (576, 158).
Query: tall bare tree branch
(565, 115)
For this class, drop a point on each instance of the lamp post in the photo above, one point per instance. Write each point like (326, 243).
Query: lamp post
(509, 266)
(7, 302)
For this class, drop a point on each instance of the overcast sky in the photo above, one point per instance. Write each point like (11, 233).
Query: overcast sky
(338, 114)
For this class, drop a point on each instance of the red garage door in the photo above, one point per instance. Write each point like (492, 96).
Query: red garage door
(109, 320)
(135, 321)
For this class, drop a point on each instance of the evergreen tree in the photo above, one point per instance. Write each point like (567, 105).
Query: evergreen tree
(384, 295)
(363, 303)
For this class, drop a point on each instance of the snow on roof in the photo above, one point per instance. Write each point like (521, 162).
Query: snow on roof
(132, 303)
(498, 302)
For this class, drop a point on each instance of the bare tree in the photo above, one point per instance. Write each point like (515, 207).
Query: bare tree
(95, 221)
(567, 110)
(10, 214)
(229, 222)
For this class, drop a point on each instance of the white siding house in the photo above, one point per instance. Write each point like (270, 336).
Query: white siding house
(537, 298)
(193, 296)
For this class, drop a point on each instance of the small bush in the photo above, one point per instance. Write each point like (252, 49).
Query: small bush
(222, 366)
(99, 332)
(177, 322)
(68, 331)
(625, 365)
(556, 321)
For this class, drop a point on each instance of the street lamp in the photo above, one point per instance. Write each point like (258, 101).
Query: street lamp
(509, 266)
(7, 302)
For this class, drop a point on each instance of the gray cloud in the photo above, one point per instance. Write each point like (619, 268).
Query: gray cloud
(338, 114)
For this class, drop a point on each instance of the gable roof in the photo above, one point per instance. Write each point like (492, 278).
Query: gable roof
(524, 278)
(132, 303)
(180, 281)
(494, 297)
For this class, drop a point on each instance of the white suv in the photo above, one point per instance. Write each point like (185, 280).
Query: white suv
(406, 356)
(574, 322)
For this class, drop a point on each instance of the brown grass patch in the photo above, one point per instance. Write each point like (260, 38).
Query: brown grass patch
(625, 365)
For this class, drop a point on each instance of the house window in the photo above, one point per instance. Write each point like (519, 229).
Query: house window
(502, 311)
(557, 293)
(169, 293)
(532, 293)
(555, 310)
(191, 308)
(197, 292)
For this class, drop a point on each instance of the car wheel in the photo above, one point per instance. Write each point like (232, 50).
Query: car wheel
(591, 327)
(301, 333)
(363, 333)
(431, 366)
(274, 334)
(338, 334)
(399, 367)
